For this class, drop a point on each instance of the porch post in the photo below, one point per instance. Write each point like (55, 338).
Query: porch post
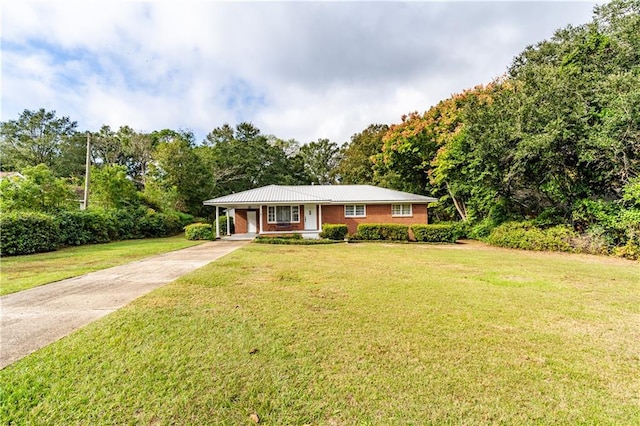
(319, 217)
(228, 225)
(217, 217)
(260, 219)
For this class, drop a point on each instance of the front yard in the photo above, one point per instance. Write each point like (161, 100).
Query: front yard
(354, 334)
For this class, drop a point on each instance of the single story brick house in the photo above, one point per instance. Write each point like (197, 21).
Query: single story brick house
(277, 209)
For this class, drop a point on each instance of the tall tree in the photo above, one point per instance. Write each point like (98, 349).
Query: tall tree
(321, 160)
(106, 147)
(34, 138)
(179, 168)
(138, 149)
(408, 149)
(356, 158)
(243, 158)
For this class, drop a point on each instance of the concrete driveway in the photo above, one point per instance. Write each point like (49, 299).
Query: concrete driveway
(31, 319)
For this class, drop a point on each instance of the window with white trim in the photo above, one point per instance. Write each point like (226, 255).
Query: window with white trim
(283, 214)
(401, 210)
(355, 210)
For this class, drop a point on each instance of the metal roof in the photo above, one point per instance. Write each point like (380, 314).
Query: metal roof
(320, 194)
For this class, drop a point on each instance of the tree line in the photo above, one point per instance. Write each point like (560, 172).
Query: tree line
(555, 139)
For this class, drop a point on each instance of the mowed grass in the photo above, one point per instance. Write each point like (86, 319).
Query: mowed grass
(354, 334)
(22, 272)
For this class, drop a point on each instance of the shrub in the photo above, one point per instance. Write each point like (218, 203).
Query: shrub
(523, 235)
(631, 250)
(199, 231)
(293, 239)
(184, 218)
(434, 233)
(154, 224)
(102, 226)
(94, 226)
(386, 232)
(127, 222)
(588, 212)
(482, 229)
(461, 229)
(27, 232)
(222, 223)
(630, 222)
(594, 241)
(334, 232)
(72, 231)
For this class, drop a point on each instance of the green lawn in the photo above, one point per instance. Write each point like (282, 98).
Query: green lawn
(354, 334)
(22, 272)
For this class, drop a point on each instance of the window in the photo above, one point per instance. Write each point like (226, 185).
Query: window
(283, 214)
(355, 210)
(401, 210)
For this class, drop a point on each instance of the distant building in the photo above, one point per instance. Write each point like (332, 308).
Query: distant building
(11, 175)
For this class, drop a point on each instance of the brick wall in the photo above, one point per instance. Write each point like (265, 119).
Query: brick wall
(241, 221)
(375, 213)
(273, 227)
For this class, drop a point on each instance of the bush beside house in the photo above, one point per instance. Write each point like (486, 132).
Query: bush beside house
(199, 231)
(382, 232)
(334, 232)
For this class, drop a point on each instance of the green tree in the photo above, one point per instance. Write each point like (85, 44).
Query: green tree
(73, 154)
(36, 137)
(356, 157)
(404, 161)
(39, 190)
(138, 151)
(179, 168)
(321, 160)
(111, 188)
(243, 158)
(107, 148)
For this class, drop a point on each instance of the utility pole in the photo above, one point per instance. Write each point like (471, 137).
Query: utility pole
(87, 173)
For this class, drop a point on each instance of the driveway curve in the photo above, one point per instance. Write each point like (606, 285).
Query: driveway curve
(34, 318)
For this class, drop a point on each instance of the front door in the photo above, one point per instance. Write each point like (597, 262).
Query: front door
(310, 221)
(252, 222)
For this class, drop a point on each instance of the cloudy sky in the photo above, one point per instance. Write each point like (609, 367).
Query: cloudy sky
(303, 70)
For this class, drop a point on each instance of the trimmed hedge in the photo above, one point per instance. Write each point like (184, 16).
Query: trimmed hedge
(199, 231)
(434, 233)
(28, 232)
(292, 239)
(334, 232)
(382, 232)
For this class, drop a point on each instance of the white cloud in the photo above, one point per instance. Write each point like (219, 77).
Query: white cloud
(297, 70)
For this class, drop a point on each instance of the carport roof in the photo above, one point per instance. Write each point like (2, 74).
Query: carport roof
(318, 194)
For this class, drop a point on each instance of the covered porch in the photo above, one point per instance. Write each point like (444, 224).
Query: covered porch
(271, 219)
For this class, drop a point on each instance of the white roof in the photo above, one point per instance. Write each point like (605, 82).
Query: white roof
(318, 194)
